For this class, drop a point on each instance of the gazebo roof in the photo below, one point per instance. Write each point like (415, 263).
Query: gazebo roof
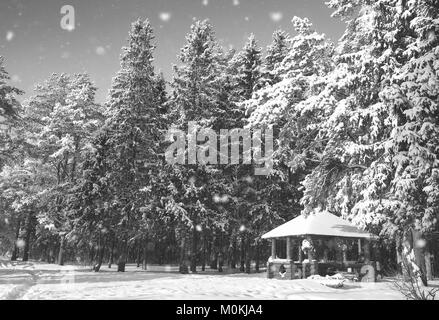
(321, 223)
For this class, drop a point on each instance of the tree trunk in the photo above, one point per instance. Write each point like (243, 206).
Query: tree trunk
(16, 249)
(183, 266)
(121, 262)
(145, 255)
(247, 256)
(220, 253)
(428, 265)
(50, 256)
(194, 251)
(428, 261)
(419, 249)
(101, 252)
(214, 260)
(61, 251)
(257, 257)
(242, 265)
(139, 253)
(110, 260)
(398, 256)
(233, 255)
(220, 262)
(91, 257)
(27, 238)
(213, 257)
(203, 258)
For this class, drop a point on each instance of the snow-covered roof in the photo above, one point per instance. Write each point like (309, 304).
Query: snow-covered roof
(321, 223)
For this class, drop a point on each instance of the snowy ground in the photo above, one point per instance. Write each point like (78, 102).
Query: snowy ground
(48, 281)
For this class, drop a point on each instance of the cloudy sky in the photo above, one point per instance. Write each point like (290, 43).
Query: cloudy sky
(34, 44)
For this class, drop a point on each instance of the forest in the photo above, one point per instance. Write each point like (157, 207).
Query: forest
(356, 133)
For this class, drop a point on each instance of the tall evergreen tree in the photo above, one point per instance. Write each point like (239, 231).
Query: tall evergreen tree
(10, 110)
(248, 65)
(135, 127)
(197, 95)
(276, 52)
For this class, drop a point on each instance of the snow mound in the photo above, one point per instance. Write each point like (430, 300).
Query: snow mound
(335, 281)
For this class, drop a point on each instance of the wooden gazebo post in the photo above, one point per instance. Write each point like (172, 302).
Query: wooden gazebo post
(311, 258)
(366, 251)
(292, 266)
(273, 248)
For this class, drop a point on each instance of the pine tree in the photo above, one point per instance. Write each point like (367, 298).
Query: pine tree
(10, 110)
(198, 95)
(301, 71)
(276, 52)
(248, 64)
(57, 124)
(135, 126)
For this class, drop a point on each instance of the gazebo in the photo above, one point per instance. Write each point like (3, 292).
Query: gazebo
(320, 243)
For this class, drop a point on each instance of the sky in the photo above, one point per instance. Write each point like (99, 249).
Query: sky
(35, 45)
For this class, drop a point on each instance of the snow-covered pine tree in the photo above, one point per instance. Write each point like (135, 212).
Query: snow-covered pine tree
(196, 82)
(412, 96)
(258, 202)
(135, 126)
(301, 71)
(10, 109)
(58, 122)
(248, 64)
(276, 52)
(198, 95)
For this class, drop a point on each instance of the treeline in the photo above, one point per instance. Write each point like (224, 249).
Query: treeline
(356, 128)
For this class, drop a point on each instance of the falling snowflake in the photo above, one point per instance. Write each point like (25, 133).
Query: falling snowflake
(205, 2)
(65, 55)
(10, 35)
(198, 228)
(248, 179)
(236, 2)
(192, 180)
(242, 228)
(15, 78)
(100, 51)
(276, 16)
(20, 243)
(421, 243)
(165, 16)
(220, 199)
(216, 198)
(246, 18)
